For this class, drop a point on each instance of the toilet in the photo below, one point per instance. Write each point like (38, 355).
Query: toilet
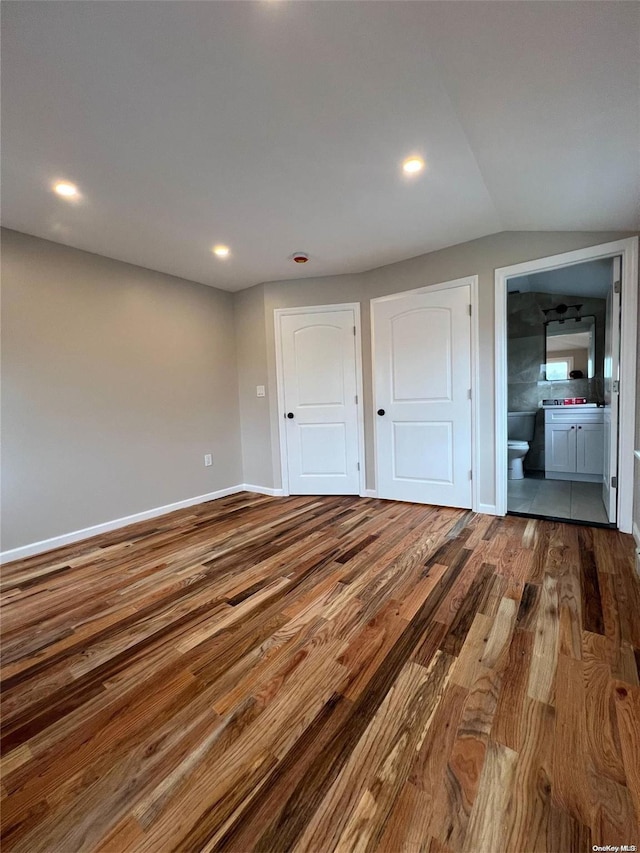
(520, 433)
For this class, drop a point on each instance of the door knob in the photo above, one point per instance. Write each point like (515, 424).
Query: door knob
(289, 414)
(381, 412)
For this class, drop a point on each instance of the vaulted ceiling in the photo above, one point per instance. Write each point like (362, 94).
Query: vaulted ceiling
(275, 126)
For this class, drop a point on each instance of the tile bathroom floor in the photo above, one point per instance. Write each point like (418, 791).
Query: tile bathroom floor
(557, 498)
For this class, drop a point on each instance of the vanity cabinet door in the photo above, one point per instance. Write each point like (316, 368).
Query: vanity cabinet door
(560, 448)
(589, 448)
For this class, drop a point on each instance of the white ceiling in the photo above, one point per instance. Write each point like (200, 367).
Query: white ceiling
(278, 126)
(592, 279)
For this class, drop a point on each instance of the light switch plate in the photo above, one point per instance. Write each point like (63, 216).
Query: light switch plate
(259, 390)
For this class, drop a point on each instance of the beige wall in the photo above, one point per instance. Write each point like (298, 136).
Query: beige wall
(479, 257)
(252, 371)
(116, 382)
(580, 358)
(636, 461)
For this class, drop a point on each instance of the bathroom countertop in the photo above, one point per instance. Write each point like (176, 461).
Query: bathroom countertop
(573, 406)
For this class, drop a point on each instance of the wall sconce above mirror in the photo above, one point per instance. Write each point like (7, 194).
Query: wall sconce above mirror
(570, 345)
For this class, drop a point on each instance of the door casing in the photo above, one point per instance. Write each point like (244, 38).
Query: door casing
(278, 313)
(472, 283)
(628, 250)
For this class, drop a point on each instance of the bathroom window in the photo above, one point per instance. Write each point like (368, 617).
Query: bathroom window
(559, 368)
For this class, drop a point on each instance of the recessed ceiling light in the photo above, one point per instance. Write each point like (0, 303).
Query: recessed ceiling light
(413, 165)
(221, 251)
(65, 189)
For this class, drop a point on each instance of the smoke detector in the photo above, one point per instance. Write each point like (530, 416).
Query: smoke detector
(300, 257)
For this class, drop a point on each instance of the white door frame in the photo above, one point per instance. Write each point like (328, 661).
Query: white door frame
(278, 313)
(471, 282)
(628, 248)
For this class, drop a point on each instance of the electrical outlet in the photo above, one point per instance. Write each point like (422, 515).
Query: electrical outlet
(208, 460)
(259, 390)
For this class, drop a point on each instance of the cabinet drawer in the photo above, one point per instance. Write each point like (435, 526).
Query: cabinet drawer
(564, 417)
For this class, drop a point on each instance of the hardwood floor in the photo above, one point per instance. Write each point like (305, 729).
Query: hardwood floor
(317, 674)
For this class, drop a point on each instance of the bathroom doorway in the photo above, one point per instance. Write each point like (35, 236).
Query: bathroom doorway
(565, 350)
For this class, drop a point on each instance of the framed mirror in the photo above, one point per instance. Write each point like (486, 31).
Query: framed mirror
(570, 348)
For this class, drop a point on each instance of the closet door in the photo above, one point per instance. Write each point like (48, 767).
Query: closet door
(321, 407)
(422, 382)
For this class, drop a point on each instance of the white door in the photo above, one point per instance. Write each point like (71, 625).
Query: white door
(422, 363)
(589, 448)
(560, 448)
(319, 392)
(611, 396)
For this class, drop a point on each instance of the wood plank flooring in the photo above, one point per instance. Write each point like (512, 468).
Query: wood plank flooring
(318, 674)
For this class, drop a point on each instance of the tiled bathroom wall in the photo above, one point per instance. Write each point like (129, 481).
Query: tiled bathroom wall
(526, 353)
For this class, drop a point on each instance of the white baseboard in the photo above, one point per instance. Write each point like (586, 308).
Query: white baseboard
(78, 535)
(105, 527)
(261, 490)
(487, 509)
